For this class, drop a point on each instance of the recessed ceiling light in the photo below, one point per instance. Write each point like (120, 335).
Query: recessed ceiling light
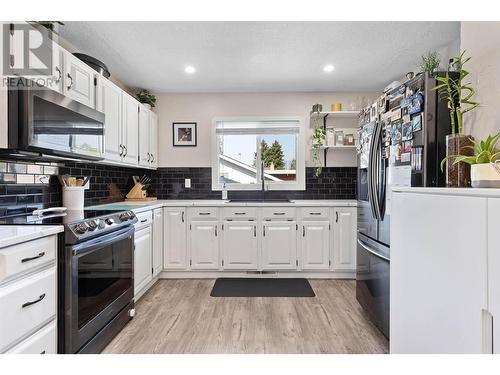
(328, 68)
(190, 69)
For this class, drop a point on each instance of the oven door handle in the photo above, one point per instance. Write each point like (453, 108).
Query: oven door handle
(96, 243)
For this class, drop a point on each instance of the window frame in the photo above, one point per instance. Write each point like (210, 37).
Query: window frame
(300, 181)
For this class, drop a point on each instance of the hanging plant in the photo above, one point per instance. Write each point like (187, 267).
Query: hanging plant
(318, 140)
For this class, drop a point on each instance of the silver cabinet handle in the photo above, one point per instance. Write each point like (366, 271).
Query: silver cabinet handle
(303, 231)
(204, 213)
(121, 149)
(264, 230)
(126, 151)
(278, 213)
(240, 213)
(59, 74)
(152, 158)
(255, 230)
(144, 220)
(149, 157)
(216, 231)
(71, 83)
(314, 213)
(336, 216)
(182, 216)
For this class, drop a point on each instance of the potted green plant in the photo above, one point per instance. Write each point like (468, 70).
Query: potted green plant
(484, 163)
(146, 98)
(458, 94)
(430, 63)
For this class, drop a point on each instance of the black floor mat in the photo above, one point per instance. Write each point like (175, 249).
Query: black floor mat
(265, 287)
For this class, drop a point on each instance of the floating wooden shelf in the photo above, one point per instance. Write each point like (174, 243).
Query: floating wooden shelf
(337, 147)
(339, 114)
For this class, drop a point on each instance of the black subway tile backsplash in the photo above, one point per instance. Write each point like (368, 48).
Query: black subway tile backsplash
(111, 183)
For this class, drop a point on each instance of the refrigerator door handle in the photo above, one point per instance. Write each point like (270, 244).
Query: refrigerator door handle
(371, 162)
(373, 252)
(375, 165)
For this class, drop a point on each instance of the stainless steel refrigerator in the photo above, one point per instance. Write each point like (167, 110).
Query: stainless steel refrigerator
(401, 142)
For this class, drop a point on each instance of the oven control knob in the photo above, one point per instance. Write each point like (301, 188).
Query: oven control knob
(124, 216)
(109, 221)
(81, 228)
(100, 223)
(92, 224)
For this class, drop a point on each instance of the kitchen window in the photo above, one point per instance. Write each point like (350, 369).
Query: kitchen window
(247, 151)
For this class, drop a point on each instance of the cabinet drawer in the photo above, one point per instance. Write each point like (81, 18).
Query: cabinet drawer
(43, 341)
(243, 213)
(314, 212)
(22, 258)
(203, 213)
(279, 213)
(26, 305)
(143, 219)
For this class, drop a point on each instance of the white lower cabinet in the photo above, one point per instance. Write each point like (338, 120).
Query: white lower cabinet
(204, 245)
(142, 259)
(235, 238)
(315, 245)
(41, 342)
(240, 249)
(344, 239)
(157, 241)
(279, 245)
(28, 297)
(174, 239)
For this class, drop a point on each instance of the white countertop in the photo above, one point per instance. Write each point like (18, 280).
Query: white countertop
(149, 205)
(14, 234)
(466, 192)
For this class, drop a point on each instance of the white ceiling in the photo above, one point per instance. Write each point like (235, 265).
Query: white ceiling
(259, 56)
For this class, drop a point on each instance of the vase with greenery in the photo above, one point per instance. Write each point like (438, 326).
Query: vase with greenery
(51, 25)
(145, 97)
(484, 163)
(430, 63)
(458, 94)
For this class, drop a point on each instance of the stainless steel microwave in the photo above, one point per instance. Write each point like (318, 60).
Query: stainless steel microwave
(44, 124)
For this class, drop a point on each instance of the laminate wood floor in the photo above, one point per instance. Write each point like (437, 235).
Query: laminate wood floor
(179, 316)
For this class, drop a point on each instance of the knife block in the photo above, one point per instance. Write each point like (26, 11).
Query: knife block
(136, 192)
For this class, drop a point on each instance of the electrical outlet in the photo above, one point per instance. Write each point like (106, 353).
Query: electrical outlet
(224, 194)
(87, 185)
(187, 182)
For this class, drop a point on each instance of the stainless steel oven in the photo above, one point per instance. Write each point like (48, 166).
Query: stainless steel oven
(44, 124)
(97, 291)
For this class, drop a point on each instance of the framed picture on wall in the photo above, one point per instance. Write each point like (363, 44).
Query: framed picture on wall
(184, 134)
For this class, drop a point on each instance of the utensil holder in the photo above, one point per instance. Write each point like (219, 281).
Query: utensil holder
(73, 197)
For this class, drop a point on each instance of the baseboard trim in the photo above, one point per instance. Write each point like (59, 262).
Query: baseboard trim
(215, 274)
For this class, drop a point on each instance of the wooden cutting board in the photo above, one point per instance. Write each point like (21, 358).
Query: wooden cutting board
(141, 199)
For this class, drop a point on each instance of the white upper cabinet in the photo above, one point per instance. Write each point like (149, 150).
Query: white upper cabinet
(174, 238)
(79, 81)
(153, 139)
(144, 136)
(279, 245)
(109, 101)
(204, 245)
(240, 249)
(130, 129)
(344, 243)
(315, 245)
